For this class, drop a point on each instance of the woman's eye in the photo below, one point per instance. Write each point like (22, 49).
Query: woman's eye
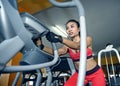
(67, 28)
(72, 26)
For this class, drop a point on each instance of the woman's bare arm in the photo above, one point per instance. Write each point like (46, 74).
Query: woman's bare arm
(61, 51)
(89, 42)
(71, 44)
(76, 45)
(67, 43)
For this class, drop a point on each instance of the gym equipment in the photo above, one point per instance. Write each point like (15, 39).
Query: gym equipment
(13, 23)
(12, 28)
(33, 25)
(82, 67)
(61, 71)
(32, 58)
(112, 79)
(54, 75)
(18, 38)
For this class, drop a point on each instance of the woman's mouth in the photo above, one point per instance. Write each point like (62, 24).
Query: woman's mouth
(71, 33)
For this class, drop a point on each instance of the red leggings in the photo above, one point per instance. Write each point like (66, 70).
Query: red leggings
(97, 79)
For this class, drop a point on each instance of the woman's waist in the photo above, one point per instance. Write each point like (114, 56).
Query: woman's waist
(92, 71)
(90, 64)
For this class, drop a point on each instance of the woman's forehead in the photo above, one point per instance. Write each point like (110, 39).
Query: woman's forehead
(71, 23)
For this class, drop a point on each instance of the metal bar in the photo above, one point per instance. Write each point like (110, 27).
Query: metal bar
(49, 77)
(113, 69)
(39, 78)
(16, 79)
(109, 48)
(108, 71)
(10, 69)
(82, 67)
(62, 4)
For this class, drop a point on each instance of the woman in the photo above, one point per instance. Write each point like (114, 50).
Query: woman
(94, 73)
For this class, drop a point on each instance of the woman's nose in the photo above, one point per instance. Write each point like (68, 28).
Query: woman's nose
(70, 29)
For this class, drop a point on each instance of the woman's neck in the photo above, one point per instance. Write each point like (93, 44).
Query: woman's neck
(76, 39)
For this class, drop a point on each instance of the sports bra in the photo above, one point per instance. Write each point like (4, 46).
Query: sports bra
(76, 56)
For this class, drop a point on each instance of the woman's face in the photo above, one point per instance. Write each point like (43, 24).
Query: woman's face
(72, 29)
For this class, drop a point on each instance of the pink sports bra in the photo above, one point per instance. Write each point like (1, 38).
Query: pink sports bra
(76, 56)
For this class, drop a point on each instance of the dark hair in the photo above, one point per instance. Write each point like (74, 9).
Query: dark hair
(72, 20)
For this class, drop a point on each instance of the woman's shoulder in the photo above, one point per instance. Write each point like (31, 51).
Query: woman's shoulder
(89, 37)
(89, 42)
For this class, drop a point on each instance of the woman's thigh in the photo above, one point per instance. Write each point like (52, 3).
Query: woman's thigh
(99, 79)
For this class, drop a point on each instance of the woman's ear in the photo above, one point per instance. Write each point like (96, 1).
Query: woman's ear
(79, 32)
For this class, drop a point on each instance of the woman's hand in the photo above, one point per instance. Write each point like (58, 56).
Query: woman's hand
(52, 37)
(38, 42)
